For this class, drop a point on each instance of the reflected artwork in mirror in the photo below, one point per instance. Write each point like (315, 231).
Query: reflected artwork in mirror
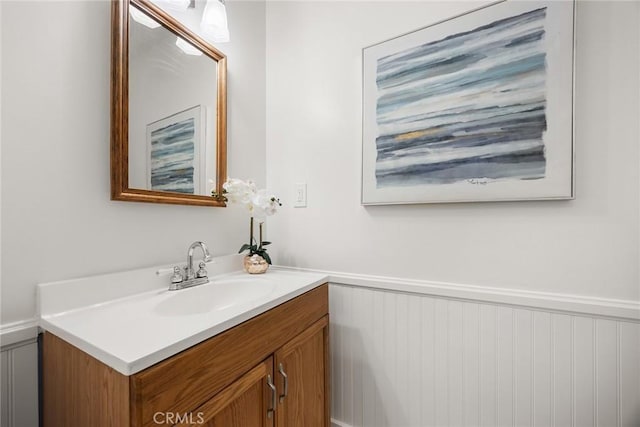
(168, 109)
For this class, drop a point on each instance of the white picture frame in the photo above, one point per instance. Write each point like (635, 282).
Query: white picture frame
(478, 107)
(176, 155)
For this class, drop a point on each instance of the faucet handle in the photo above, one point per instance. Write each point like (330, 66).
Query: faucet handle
(202, 271)
(177, 275)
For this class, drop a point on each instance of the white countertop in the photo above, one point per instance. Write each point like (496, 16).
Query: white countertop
(132, 332)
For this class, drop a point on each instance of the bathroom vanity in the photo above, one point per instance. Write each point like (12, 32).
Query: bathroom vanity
(265, 362)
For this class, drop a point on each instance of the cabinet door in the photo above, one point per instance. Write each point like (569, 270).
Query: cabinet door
(302, 372)
(247, 402)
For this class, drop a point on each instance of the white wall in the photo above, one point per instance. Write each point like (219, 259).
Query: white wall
(57, 219)
(588, 246)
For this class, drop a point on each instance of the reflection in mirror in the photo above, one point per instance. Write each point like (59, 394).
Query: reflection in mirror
(172, 111)
(170, 145)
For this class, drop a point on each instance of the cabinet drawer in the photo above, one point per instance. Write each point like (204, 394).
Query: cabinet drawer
(189, 379)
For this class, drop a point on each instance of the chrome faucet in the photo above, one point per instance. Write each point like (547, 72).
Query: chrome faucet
(189, 274)
(185, 278)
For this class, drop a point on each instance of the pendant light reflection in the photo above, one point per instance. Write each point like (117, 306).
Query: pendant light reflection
(141, 18)
(214, 21)
(187, 47)
(173, 4)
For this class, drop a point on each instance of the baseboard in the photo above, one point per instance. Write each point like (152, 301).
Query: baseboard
(626, 310)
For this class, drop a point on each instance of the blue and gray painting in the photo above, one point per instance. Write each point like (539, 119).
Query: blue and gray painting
(172, 157)
(469, 106)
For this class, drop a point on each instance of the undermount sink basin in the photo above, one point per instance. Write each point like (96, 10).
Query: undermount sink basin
(214, 296)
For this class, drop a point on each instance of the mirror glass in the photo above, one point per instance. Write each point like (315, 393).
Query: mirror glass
(172, 146)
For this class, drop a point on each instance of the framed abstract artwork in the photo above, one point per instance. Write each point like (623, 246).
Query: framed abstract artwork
(174, 153)
(475, 108)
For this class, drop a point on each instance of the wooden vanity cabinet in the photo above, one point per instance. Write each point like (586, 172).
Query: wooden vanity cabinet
(304, 361)
(246, 402)
(222, 382)
(289, 388)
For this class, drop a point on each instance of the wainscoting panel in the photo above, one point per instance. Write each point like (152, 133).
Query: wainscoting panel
(19, 390)
(411, 360)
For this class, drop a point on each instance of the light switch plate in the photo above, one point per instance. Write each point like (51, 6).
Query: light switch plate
(300, 195)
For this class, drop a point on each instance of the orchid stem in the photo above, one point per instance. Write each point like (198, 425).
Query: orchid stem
(251, 234)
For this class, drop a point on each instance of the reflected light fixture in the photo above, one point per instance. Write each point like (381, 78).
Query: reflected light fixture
(187, 47)
(214, 21)
(141, 18)
(173, 4)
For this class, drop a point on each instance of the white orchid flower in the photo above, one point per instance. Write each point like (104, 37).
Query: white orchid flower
(259, 203)
(239, 191)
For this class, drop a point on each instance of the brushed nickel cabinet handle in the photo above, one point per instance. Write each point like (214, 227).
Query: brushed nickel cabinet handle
(286, 382)
(271, 410)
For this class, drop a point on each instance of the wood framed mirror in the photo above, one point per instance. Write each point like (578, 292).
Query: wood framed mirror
(168, 109)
